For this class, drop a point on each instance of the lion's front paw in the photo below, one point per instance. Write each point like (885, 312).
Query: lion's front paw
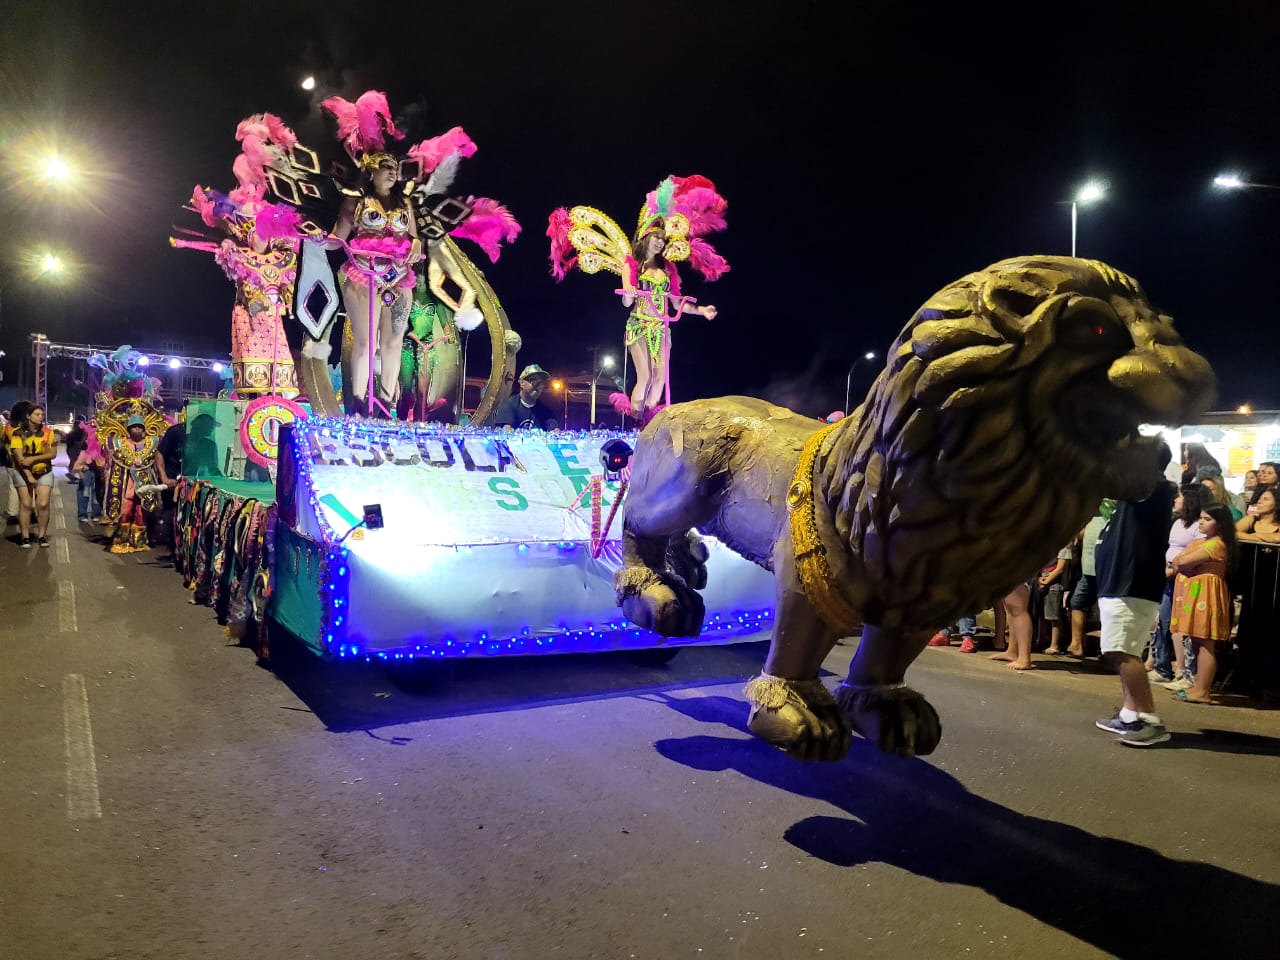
(687, 556)
(660, 602)
(893, 717)
(799, 717)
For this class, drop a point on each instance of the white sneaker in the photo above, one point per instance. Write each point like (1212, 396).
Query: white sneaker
(1182, 683)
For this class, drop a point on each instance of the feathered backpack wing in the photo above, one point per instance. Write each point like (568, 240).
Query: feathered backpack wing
(600, 242)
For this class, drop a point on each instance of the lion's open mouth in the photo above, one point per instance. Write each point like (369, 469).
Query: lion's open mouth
(1102, 422)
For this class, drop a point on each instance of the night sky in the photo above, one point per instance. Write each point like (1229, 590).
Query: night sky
(870, 155)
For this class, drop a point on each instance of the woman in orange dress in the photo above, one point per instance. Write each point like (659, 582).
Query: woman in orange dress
(1202, 599)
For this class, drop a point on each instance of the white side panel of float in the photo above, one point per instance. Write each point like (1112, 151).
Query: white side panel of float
(501, 591)
(482, 539)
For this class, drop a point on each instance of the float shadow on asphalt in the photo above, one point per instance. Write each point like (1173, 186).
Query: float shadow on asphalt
(360, 696)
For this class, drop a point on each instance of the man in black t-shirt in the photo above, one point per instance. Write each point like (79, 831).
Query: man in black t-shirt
(1131, 576)
(170, 448)
(522, 409)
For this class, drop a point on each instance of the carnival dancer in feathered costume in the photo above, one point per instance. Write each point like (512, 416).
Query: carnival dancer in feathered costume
(397, 216)
(259, 254)
(129, 428)
(672, 223)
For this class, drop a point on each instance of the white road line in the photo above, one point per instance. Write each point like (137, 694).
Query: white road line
(59, 521)
(83, 802)
(62, 550)
(67, 607)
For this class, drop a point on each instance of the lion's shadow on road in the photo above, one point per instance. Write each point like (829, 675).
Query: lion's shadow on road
(1111, 893)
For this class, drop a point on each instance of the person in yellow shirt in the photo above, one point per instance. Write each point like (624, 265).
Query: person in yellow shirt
(32, 448)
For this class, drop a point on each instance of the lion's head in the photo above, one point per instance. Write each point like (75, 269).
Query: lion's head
(1010, 404)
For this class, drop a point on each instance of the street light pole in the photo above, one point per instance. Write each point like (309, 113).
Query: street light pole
(848, 380)
(1091, 191)
(604, 365)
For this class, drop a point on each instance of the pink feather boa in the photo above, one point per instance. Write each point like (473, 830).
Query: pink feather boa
(364, 125)
(430, 152)
(397, 250)
(563, 257)
(489, 225)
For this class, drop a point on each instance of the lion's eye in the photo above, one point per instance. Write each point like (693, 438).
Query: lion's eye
(1089, 328)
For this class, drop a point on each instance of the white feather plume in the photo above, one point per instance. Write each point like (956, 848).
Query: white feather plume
(443, 175)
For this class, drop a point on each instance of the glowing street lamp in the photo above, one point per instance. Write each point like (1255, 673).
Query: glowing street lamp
(1236, 181)
(848, 380)
(561, 387)
(48, 266)
(1091, 192)
(55, 169)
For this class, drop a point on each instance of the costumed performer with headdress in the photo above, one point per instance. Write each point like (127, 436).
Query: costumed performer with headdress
(444, 300)
(129, 430)
(259, 254)
(380, 234)
(672, 222)
(447, 302)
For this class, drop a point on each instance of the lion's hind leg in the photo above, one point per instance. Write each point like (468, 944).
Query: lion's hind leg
(879, 704)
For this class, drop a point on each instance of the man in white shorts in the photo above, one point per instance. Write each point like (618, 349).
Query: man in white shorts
(1130, 571)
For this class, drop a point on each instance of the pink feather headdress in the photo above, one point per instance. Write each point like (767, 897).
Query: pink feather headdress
(696, 198)
(363, 126)
(489, 225)
(263, 139)
(430, 152)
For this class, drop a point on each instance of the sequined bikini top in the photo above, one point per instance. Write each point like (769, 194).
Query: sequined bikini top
(372, 219)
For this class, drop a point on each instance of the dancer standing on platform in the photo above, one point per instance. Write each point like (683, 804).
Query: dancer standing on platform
(380, 232)
(258, 252)
(673, 220)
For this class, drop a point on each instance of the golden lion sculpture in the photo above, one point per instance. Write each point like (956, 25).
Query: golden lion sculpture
(1008, 407)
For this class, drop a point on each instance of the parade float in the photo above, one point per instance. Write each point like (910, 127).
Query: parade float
(361, 504)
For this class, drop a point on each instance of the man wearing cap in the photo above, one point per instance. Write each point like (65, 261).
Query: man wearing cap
(522, 410)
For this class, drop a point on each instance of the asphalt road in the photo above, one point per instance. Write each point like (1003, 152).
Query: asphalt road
(162, 795)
